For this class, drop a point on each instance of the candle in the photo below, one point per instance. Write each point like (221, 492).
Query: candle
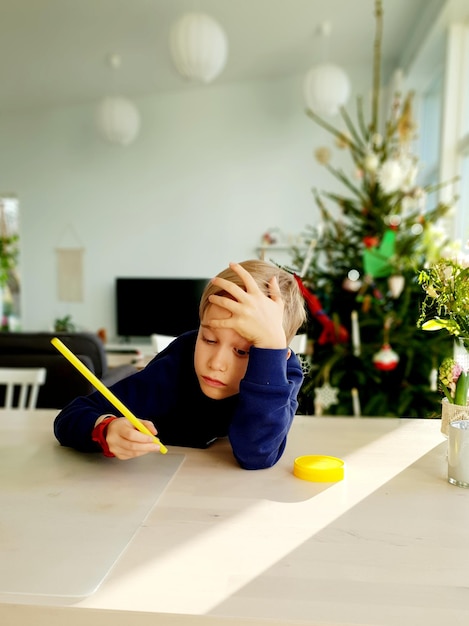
(356, 402)
(355, 334)
(107, 393)
(308, 257)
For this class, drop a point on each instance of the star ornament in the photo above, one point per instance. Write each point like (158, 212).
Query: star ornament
(326, 395)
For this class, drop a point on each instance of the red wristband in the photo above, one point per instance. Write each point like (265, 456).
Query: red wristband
(99, 434)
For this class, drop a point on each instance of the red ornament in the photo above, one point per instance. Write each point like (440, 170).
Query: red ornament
(386, 359)
(331, 332)
(370, 241)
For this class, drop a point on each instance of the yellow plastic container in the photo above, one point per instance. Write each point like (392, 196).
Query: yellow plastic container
(319, 468)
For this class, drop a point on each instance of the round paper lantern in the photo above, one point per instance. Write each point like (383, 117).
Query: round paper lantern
(326, 88)
(118, 120)
(199, 47)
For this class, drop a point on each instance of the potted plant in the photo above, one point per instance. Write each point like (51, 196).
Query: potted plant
(64, 325)
(9, 252)
(446, 307)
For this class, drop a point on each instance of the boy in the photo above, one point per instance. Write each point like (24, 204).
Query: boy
(233, 377)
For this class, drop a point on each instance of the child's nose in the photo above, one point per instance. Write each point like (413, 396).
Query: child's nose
(218, 360)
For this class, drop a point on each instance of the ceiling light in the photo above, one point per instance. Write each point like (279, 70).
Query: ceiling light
(326, 87)
(117, 118)
(199, 47)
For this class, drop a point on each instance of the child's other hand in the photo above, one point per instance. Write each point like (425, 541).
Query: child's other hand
(126, 442)
(256, 317)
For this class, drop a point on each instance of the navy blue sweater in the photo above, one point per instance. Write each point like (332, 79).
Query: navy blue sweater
(167, 392)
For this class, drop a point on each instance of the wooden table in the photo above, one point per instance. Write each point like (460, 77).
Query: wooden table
(387, 546)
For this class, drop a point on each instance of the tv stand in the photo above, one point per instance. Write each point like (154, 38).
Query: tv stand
(136, 354)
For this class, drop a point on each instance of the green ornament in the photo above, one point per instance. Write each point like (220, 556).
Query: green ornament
(376, 259)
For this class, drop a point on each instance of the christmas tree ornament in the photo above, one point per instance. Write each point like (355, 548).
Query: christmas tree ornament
(366, 305)
(323, 155)
(371, 162)
(352, 282)
(394, 221)
(391, 176)
(396, 285)
(370, 241)
(376, 258)
(325, 397)
(343, 140)
(331, 332)
(351, 285)
(386, 359)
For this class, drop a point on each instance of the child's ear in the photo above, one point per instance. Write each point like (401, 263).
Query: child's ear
(288, 354)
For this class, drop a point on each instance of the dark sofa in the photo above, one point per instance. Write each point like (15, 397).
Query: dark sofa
(63, 381)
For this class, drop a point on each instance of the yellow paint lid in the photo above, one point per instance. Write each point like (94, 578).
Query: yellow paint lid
(319, 468)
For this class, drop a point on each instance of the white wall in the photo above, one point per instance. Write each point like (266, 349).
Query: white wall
(211, 170)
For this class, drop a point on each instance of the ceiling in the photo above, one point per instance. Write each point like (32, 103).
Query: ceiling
(55, 52)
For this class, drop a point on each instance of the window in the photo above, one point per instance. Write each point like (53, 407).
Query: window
(429, 138)
(462, 217)
(10, 283)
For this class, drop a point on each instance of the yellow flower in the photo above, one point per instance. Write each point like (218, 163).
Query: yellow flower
(446, 304)
(323, 155)
(342, 141)
(405, 124)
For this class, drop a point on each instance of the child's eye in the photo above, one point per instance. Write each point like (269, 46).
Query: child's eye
(209, 341)
(241, 352)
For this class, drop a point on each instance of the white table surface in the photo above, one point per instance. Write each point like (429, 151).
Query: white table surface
(387, 546)
(66, 517)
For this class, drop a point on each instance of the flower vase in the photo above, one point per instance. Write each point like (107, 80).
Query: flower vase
(452, 412)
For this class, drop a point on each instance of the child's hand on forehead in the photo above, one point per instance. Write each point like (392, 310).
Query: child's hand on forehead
(254, 315)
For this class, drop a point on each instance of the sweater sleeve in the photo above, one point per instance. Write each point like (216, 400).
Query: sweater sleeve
(74, 424)
(147, 393)
(267, 406)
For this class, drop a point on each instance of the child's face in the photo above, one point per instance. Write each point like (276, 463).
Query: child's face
(221, 356)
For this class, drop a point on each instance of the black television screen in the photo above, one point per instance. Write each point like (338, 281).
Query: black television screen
(165, 306)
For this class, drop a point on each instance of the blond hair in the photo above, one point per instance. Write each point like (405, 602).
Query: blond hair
(294, 314)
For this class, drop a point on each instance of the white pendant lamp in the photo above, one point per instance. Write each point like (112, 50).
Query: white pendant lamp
(326, 87)
(199, 47)
(117, 118)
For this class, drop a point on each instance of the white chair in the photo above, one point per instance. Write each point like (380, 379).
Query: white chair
(160, 342)
(27, 379)
(298, 343)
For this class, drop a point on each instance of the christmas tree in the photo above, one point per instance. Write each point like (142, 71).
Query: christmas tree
(360, 271)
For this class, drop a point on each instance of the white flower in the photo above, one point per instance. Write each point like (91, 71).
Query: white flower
(410, 170)
(391, 176)
(409, 204)
(420, 195)
(371, 162)
(377, 140)
(437, 233)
